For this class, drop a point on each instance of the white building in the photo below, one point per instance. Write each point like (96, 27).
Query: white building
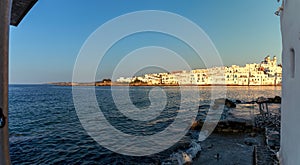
(265, 73)
(124, 80)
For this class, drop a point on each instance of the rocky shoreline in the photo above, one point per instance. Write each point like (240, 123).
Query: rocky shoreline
(257, 135)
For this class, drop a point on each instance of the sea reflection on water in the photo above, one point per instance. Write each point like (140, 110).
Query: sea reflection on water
(44, 128)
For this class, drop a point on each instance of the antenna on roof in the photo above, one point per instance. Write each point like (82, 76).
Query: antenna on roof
(279, 10)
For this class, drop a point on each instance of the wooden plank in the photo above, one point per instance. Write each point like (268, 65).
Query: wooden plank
(5, 10)
(19, 9)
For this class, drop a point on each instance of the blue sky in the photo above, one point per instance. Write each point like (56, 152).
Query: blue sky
(44, 47)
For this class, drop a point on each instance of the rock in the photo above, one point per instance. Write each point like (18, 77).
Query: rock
(182, 158)
(228, 103)
(217, 156)
(194, 149)
(250, 141)
(197, 125)
(252, 134)
(277, 99)
(204, 106)
(210, 146)
(262, 100)
(274, 136)
(270, 100)
(182, 144)
(238, 101)
(271, 143)
(273, 139)
(226, 130)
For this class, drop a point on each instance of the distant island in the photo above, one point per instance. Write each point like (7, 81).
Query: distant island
(266, 73)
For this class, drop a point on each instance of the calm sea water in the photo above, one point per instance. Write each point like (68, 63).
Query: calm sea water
(44, 127)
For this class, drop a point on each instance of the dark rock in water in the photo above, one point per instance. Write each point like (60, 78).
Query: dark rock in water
(238, 101)
(197, 125)
(250, 141)
(270, 100)
(228, 103)
(262, 100)
(277, 99)
(204, 106)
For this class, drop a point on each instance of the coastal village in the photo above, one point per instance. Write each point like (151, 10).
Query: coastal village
(247, 131)
(268, 72)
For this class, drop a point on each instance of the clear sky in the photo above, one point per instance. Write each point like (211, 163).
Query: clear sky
(44, 47)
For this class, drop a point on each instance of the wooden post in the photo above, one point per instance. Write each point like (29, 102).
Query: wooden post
(5, 9)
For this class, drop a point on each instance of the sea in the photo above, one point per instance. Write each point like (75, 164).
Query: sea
(44, 127)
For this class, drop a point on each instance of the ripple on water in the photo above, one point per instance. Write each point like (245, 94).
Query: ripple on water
(44, 128)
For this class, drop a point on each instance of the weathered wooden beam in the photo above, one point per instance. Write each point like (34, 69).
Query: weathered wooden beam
(19, 10)
(5, 11)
